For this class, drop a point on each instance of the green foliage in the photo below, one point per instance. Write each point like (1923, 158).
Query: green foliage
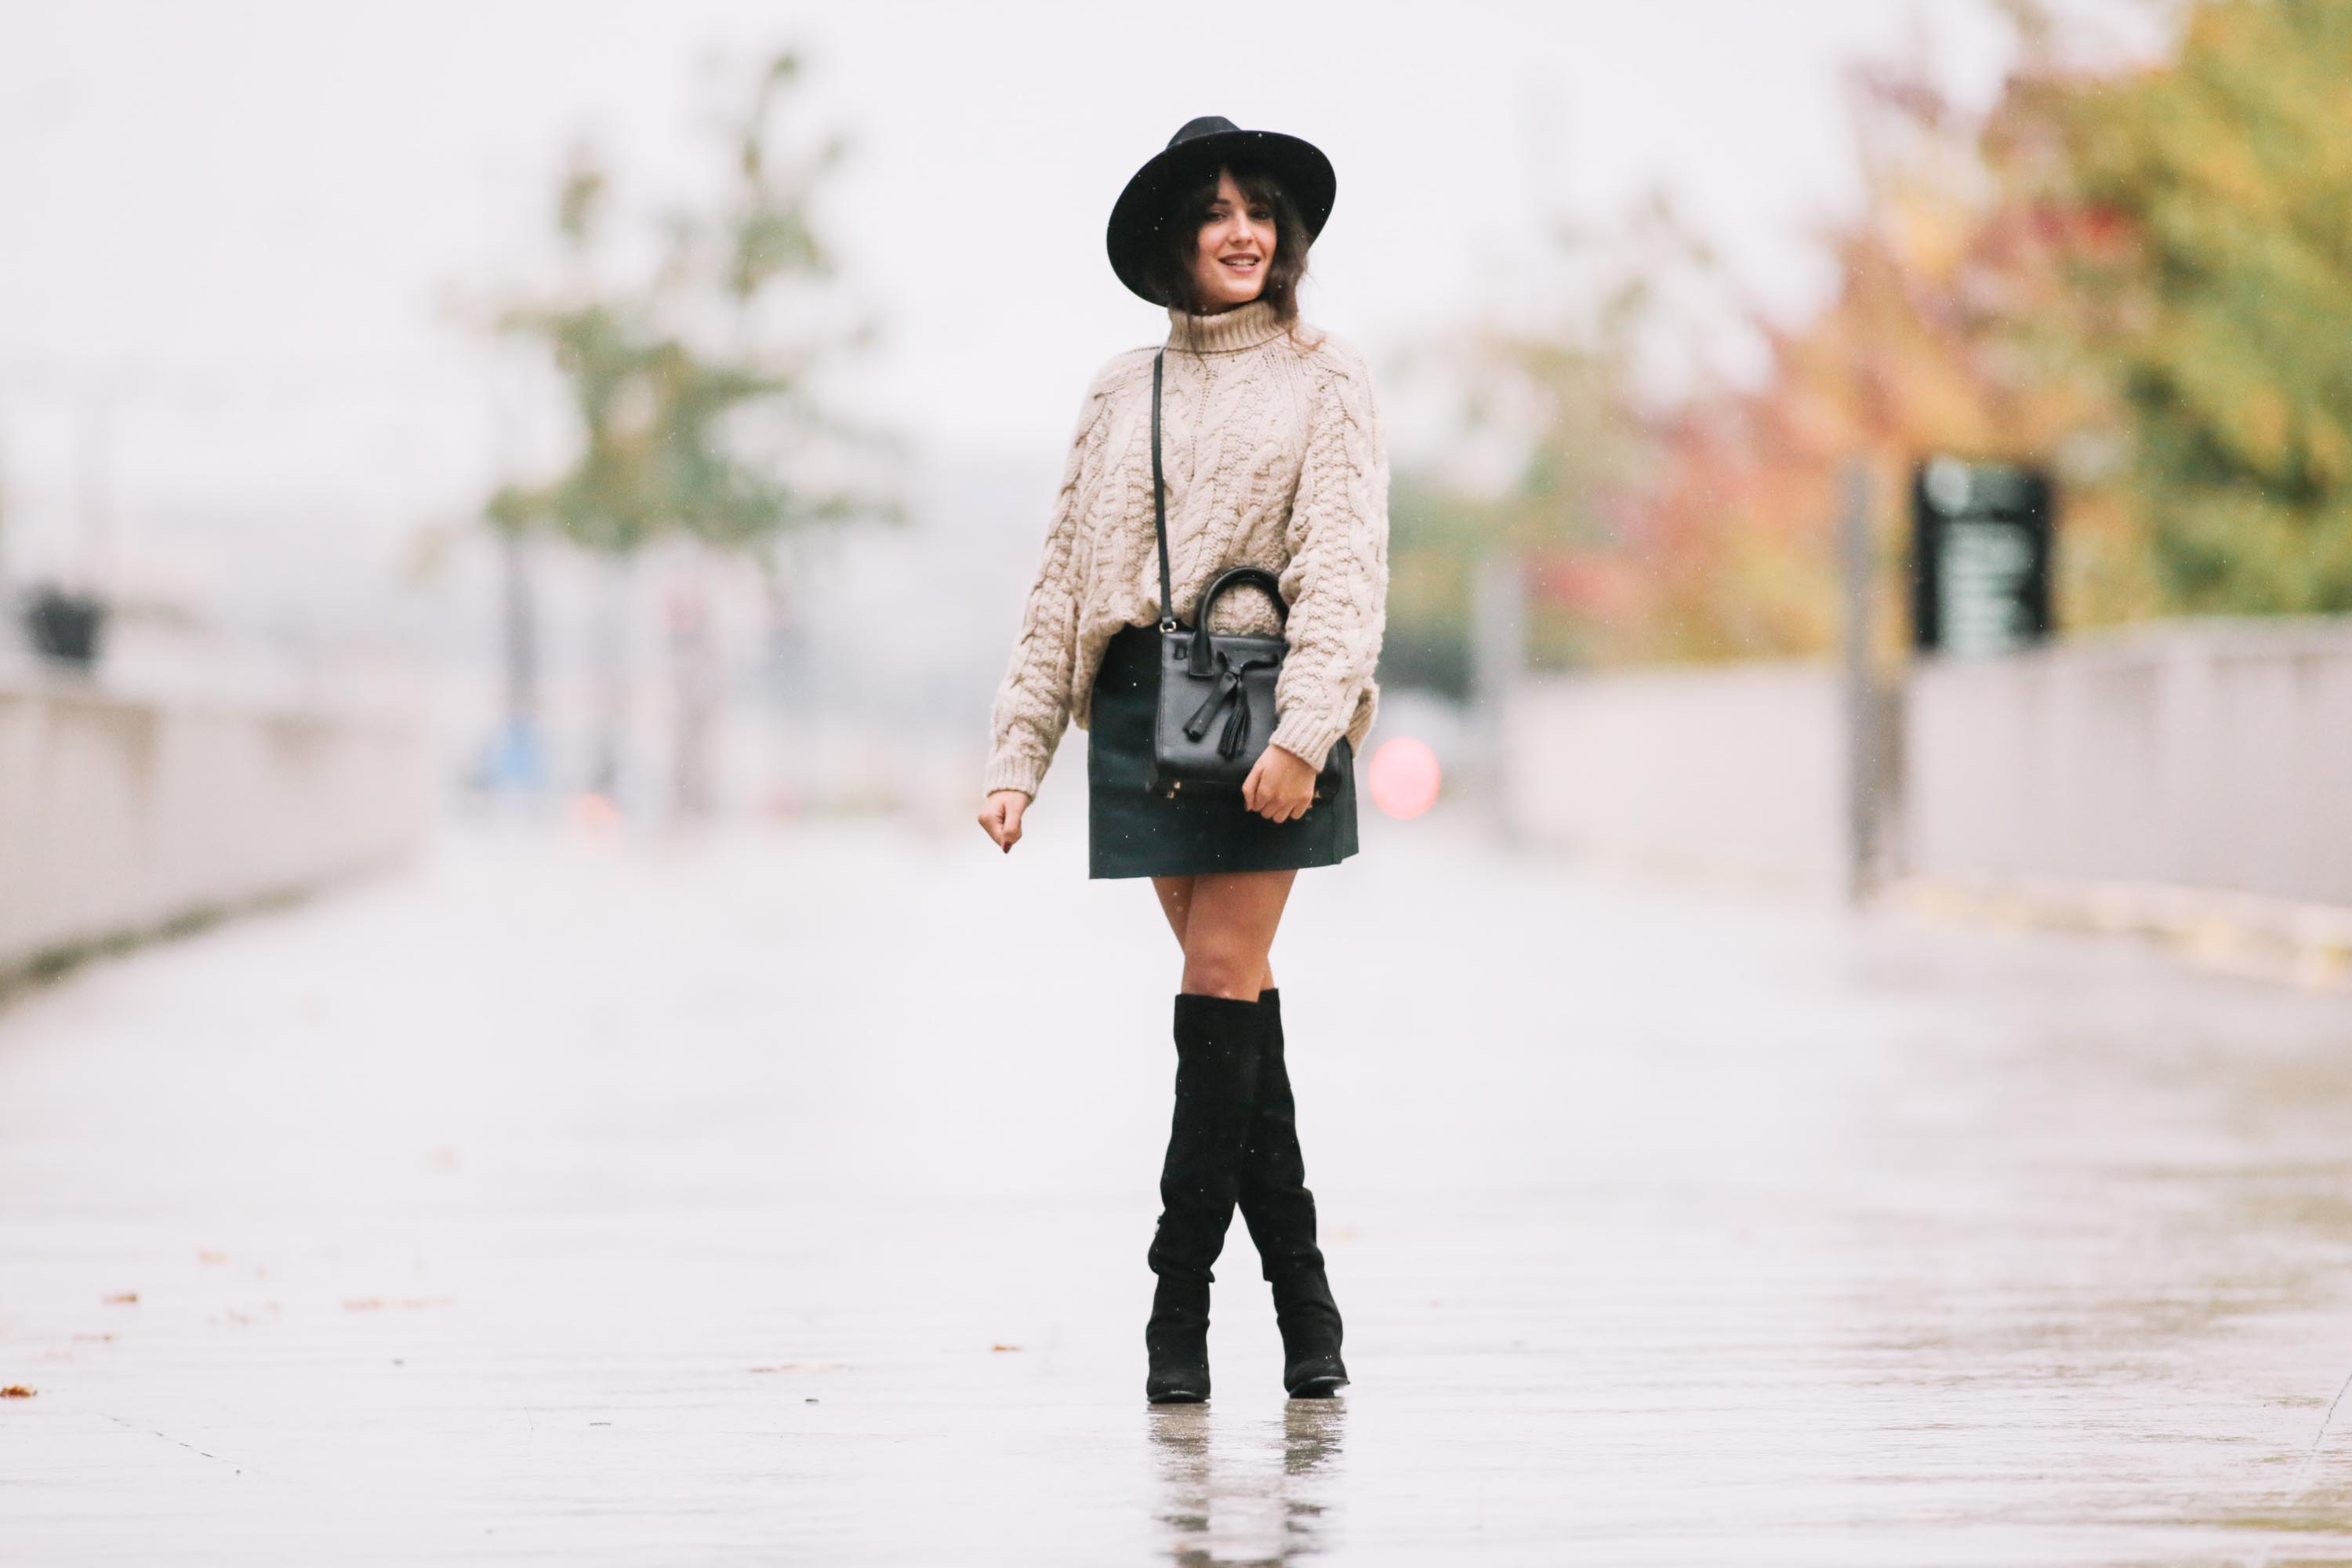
(687, 414)
(772, 236)
(2224, 318)
(2138, 275)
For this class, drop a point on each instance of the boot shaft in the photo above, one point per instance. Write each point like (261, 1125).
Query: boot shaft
(1273, 1197)
(1220, 1043)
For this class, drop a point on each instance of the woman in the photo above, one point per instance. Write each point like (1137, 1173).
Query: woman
(1272, 457)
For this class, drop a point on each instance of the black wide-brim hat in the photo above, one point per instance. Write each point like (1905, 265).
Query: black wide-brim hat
(1138, 219)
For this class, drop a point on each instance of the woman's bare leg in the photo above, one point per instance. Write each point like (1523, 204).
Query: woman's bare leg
(1229, 922)
(1175, 901)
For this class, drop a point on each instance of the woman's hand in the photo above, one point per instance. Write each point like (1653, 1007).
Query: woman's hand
(1000, 817)
(1280, 787)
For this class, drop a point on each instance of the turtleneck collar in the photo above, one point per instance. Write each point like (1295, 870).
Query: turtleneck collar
(1227, 331)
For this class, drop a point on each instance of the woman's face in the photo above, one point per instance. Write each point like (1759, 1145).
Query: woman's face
(1236, 247)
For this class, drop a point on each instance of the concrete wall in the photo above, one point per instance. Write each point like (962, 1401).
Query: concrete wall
(2208, 754)
(2205, 754)
(1727, 770)
(120, 814)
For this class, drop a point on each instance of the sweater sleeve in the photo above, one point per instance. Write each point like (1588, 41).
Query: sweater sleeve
(1336, 581)
(1032, 707)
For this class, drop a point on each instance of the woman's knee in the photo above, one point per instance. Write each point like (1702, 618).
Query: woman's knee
(1210, 971)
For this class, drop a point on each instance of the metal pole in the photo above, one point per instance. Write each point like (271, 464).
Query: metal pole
(520, 641)
(1862, 741)
(96, 563)
(1499, 657)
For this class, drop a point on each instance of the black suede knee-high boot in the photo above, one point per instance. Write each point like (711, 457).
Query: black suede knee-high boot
(1219, 1043)
(1280, 1213)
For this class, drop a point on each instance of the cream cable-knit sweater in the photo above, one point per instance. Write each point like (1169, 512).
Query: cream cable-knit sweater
(1273, 457)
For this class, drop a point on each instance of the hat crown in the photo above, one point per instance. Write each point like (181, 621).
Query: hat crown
(1193, 130)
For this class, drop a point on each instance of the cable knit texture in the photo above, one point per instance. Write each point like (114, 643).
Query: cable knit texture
(1273, 457)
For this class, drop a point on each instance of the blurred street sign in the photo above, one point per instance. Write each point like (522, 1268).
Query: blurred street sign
(1981, 537)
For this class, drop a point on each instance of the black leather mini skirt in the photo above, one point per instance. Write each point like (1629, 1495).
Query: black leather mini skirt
(1132, 832)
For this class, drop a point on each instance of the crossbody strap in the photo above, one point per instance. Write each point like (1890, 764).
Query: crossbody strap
(1160, 501)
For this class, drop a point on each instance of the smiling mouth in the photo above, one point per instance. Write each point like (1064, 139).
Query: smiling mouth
(1239, 261)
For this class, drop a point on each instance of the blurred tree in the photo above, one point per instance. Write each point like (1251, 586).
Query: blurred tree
(694, 394)
(1699, 525)
(1949, 330)
(2209, 260)
(1558, 409)
(2139, 276)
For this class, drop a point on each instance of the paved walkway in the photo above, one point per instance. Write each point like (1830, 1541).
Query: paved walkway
(784, 1199)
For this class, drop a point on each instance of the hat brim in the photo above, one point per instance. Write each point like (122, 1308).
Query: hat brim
(1137, 219)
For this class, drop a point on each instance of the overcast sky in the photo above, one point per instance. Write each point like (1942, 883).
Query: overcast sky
(239, 216)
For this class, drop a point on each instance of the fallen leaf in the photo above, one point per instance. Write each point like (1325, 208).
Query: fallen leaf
(375, 1303)
(1004, 1347)
(205, 1255)
(93, 1336)
(15, 1391)
(126, 1299)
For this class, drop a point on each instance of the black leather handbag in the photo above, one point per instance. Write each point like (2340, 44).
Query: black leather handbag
(1216, 709)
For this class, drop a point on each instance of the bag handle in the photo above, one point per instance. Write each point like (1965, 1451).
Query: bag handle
(1256, 577)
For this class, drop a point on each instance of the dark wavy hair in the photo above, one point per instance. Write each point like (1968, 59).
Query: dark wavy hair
(1188, 209)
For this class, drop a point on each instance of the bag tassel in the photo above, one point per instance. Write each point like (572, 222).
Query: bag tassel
(1227, 684)
(1236, 728)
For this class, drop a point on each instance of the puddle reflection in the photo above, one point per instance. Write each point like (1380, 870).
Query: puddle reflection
(1248, 1495)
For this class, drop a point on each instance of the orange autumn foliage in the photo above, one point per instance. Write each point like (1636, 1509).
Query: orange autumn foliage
(1925, 347)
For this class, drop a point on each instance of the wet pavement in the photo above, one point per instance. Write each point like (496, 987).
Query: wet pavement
(783, 1198)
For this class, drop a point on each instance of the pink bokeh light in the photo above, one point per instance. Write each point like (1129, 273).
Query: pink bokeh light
(1404, 777)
